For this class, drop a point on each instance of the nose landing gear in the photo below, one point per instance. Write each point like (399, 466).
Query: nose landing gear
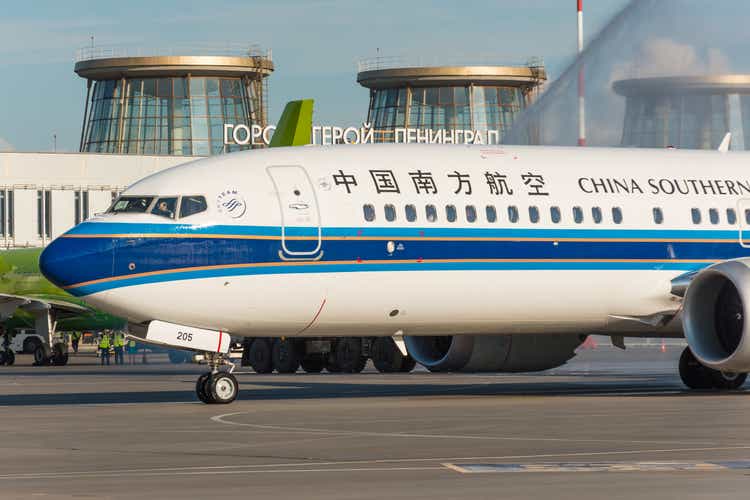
(696, 376)
(217, 387)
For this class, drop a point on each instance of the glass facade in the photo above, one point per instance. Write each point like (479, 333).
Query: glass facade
(690, 121)
(471, 107)
(166, 116)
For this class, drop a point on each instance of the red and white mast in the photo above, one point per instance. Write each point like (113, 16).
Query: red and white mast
(581, 83)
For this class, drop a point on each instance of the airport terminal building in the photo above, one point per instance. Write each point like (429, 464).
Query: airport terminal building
(143, 113)
(477, 98)
(691, 112)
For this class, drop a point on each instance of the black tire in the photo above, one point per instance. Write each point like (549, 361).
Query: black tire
(10, 357)
(42, 355)
(408, 364)
(31, 344)
(246, 352)
(3, 358)
(313, 364)
(176, 357)
(348, 355)
(693, 374)
(385, 355)
(222, 387)
(284, 356)
(60, 355)
(727, 381)
(331, 364)
(260, 356)
(200, 388)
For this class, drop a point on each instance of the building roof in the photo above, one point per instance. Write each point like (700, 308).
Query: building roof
(703, 84)
(522, 76)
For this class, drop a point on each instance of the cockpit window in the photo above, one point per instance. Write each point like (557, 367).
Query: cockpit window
(192, 205)
(165, 207)
(131, 204)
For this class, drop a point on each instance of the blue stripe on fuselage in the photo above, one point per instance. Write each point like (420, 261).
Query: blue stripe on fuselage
(171, 250)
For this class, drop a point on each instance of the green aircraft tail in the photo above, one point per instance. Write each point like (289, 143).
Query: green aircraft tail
(295, 126)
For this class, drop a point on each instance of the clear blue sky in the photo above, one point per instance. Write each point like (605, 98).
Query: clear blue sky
(315, 43)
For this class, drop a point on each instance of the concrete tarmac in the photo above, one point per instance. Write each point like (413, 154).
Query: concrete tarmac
(610, 424)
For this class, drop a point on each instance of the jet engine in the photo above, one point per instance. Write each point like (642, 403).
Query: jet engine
(714, 314)
(493, 353)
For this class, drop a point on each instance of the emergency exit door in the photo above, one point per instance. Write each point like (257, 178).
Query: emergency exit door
(300, 215)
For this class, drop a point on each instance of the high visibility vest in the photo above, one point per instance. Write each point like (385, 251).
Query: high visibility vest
(104, 342)
(76, 335)
(119, 340)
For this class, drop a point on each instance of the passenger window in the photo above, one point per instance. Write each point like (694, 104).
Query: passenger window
(450, 213)
(577, 215)
(747, 215)
(616, 215)
(658, 215)
(491, 213)
(165, 207)
(431, 213)
(390, 213)
(696, 214)
(731, 216)
(596, 214)
(513, 214)
(369, 211)
(554, 212)
(411, 213)
(534, 214)
(191, 205)
(471, 213)
(713, 216)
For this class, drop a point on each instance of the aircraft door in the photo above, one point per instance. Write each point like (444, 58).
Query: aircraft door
(743, 213)
(300, 214)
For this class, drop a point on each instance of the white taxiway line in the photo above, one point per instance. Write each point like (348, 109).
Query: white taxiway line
(223, 419)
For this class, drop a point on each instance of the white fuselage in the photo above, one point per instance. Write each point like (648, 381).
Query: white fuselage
(285, 248)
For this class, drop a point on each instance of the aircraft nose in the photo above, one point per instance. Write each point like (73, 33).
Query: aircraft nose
(70, 262)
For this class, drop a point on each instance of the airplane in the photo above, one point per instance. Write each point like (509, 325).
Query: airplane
(479, 258)
(27, 299)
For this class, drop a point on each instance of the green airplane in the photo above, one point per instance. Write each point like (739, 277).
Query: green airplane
(28, 300)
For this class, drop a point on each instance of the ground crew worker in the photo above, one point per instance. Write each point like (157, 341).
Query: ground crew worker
(119, 345)
(75, 338)
(104, 347)
(132, 350)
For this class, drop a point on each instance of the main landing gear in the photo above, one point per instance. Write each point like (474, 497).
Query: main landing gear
(217, 387)
(696, 376)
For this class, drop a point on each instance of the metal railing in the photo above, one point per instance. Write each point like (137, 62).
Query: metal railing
(392, 62)
(220, 49)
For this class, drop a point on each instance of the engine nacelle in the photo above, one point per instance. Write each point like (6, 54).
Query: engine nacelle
(493, 353)
(715, 308)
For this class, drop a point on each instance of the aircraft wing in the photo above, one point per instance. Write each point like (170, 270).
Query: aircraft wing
(9, 304)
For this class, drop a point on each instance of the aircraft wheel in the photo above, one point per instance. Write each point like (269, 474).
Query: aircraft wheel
(332, 365)
(727, 381)
(222, 387)
(693, 374)
(60, 355)
(30, 345)
(3, 357)
(384, 356)
(260, 356)
(10, 357)
(201, 389)
(408, 364)
(42, 355)
(312, 364)
(348, 355)
(284, 356)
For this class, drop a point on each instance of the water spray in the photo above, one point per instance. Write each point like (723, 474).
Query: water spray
(581, 82)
